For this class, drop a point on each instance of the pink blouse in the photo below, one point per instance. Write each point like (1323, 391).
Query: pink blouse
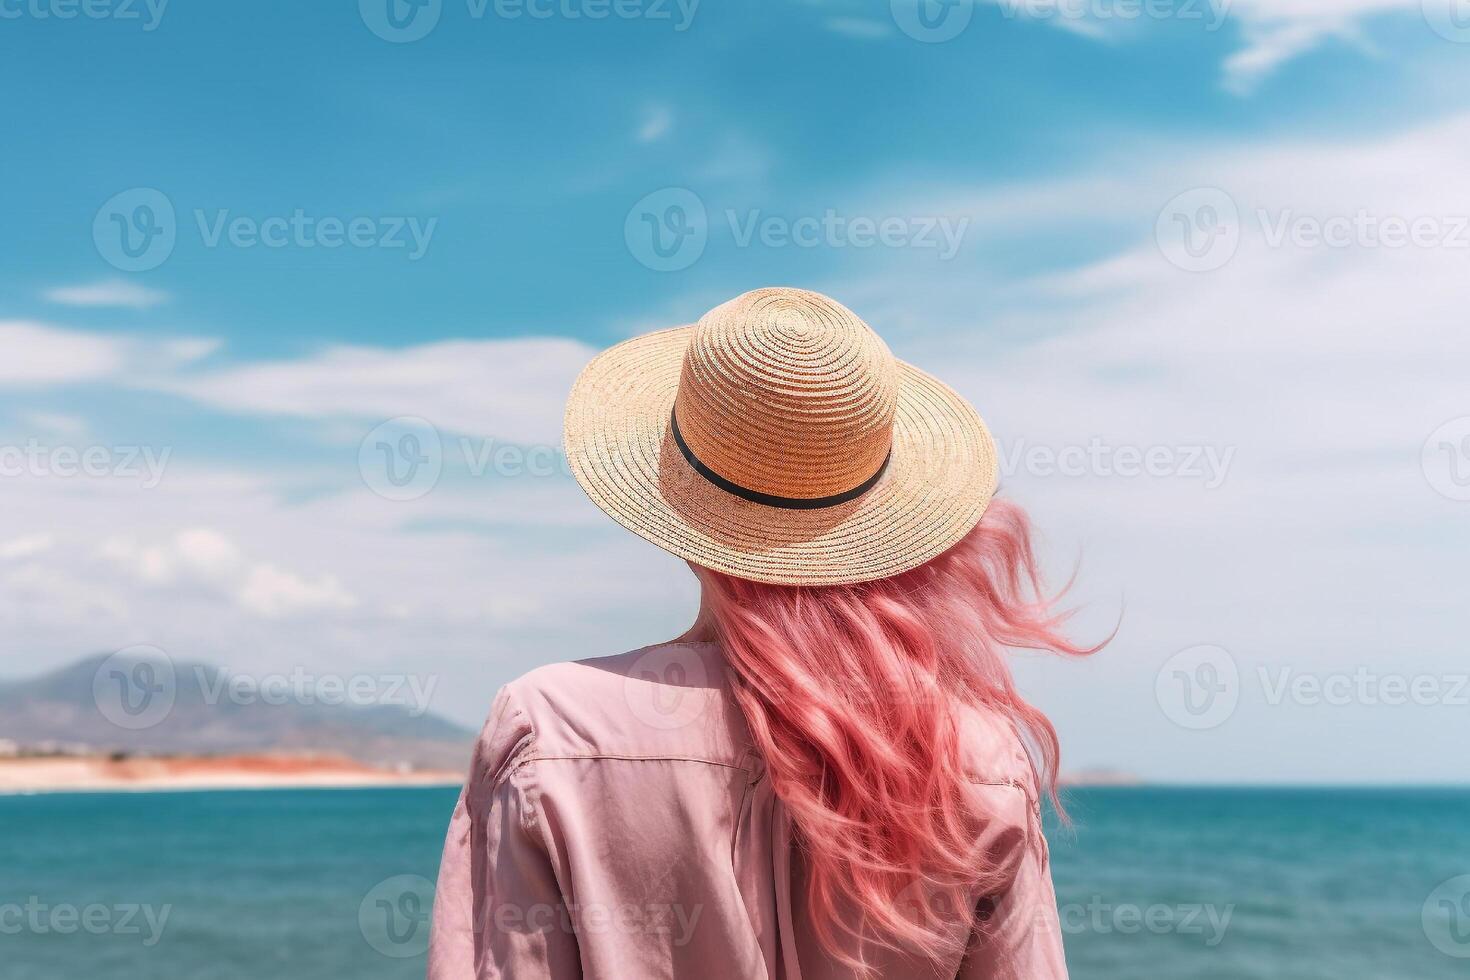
(617, 824)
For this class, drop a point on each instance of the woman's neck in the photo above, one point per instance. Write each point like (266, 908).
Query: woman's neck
(703, 628)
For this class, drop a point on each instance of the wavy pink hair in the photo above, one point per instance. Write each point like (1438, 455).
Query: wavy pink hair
(854, 695)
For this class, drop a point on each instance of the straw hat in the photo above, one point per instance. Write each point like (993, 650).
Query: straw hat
(778, 439)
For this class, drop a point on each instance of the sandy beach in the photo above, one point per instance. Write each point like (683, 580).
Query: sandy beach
(57, 774)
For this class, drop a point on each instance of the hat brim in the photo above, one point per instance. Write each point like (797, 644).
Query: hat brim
(940, 478)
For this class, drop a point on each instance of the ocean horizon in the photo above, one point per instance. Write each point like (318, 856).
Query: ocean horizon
(1187, 883)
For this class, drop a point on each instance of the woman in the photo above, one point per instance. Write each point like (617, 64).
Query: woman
(830, 775)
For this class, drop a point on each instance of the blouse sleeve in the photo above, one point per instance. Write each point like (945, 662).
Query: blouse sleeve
(1018, 934)
(497, 903)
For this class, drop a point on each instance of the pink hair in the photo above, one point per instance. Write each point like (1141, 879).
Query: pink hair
(854, 695)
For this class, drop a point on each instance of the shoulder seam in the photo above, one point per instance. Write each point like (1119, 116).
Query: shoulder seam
(520, 763)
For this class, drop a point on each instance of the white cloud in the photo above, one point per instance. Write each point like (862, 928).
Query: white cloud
(108, 292)
(736, 159)
(1274, 31)
(192, 554)
(1277, 31)
(509, 389)
(861, 28)
(186, 350)
(26, 546)
(656, 123)
(475, 583)
(35, 354)
(202, 557)
(207, 551)
(56, 423)
(274, 593)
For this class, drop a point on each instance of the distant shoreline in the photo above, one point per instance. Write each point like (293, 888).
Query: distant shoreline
(105, 774)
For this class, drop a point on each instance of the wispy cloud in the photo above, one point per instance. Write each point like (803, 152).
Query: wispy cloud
(202, 557)
(26, 546)
(1277, 31)
(656, 123)
(35, 354)
(55, 423)
(862, 28)
(508, 389)
(108, 293)
(1274, 31)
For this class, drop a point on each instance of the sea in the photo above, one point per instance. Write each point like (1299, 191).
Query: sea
(1169, 883)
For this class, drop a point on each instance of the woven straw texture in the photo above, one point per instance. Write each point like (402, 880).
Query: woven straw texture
(783, 392)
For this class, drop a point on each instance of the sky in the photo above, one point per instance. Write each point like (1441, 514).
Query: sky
(291, 296)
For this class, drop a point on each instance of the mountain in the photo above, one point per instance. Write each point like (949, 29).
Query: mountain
(138, 705)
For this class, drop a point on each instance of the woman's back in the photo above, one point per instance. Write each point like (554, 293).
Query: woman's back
(619, 823)
(848, 784)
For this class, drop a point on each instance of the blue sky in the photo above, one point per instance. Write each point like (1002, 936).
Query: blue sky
(1025, 169)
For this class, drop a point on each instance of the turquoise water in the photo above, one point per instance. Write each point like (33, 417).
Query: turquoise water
(328, 885)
